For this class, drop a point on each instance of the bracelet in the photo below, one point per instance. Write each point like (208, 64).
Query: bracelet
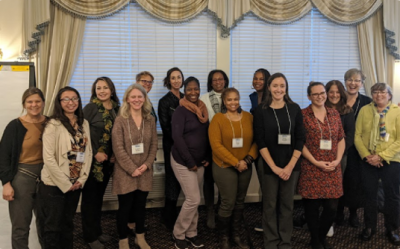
(295, 157)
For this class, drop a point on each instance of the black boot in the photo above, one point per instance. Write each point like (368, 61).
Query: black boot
(223, 228)
(237, 222)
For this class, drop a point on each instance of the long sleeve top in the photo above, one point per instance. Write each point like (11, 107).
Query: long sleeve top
(367, 124)
(266, 133)
(206, 99)
(166, 108)
(191, 144)
(126, 162)
(349, 127)
(220, 134)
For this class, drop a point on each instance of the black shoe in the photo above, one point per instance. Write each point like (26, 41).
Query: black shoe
(393, 238)
(180, 243)
(326, 245)
(195, 241)
(104, 238)
(354, 222)
(367, 234)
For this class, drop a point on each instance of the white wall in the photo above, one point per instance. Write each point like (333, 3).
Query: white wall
(11, 28)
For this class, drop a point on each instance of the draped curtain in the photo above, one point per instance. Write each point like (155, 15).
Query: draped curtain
(56, 55)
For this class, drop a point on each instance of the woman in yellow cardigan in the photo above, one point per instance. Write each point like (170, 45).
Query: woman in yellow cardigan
(233, 149)
(377, 140)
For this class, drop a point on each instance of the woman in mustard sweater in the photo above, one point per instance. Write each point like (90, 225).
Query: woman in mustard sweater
(233, 149)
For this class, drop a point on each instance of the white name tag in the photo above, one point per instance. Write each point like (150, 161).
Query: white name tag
(80, 157)
(325, 144)
(137, 149)
(284, 139)
(237, 142)
(387, 137)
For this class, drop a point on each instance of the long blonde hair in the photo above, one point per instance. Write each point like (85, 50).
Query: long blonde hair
(124, 111)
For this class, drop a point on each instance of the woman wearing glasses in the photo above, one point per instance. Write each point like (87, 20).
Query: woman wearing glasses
(320, 181)
(217, 81)
(67, 156)
(134, 141)
(146, 79)
(377, 140)
(166, 107)
(353, 194)
(100, 113)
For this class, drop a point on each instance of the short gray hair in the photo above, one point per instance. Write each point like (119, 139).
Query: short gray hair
(382, 87)
(354, 71)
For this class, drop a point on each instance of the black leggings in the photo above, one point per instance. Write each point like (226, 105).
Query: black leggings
(131, 202)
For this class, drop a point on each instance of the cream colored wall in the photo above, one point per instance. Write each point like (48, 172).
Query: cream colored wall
(11, 28)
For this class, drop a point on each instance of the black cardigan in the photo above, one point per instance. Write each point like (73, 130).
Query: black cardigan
(10, 150)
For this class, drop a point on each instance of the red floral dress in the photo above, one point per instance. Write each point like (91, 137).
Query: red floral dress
(313, 182)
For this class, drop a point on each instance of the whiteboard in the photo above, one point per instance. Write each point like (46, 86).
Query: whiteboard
(14, 80)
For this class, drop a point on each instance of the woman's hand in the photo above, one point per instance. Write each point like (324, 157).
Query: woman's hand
(286, 173)
(77, 185)
(374, 160)
(100, 157)
(242, 166)
(112, 159)
(8, 192)
(136, 173)
(325, 166)
(143, 168)
(205, 163)
(193, 168)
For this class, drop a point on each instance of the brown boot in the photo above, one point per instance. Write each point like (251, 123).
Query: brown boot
(223, 229)
(237, 221)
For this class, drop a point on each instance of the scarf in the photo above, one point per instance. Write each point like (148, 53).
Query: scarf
(104, 141)
(214, 100)
(200, 109)
(382, 126)
(378, 122)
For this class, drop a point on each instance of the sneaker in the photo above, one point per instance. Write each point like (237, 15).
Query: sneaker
(330, 232)
(104, 238)
(195, 241)
(259, 228)
(180, 243)
(96, 245)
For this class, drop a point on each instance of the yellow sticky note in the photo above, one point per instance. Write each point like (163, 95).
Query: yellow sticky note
(19, 68)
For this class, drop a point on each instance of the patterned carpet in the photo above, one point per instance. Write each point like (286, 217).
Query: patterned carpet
(345, 237)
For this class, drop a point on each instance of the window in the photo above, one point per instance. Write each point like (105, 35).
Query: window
(311, 49)
(132, 41)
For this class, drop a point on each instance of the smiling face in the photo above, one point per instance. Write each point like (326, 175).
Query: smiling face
(218, 82)
(176, 80)
(34, 105)
(147, 82)
(317, 95)
(103, 92)
(353, 84)
(278, 89)
(258, 81)
(69, 102)
(334, 95)
(381, 98)
(192, 92)
(231, 101)
(135, 99)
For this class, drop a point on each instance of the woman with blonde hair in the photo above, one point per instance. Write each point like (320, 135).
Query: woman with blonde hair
(134, 141)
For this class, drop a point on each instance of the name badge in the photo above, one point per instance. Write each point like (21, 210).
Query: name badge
(325, 144)
(284, 139)
(80, 157)
(387, 137)
(237, 142)
(137, 149)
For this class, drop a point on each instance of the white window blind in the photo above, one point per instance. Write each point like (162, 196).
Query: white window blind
(311, 49)
(132, 41)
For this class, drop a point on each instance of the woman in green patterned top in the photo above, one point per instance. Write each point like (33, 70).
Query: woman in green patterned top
(100, 113)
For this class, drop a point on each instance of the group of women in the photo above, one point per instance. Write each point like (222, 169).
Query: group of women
(340, 139)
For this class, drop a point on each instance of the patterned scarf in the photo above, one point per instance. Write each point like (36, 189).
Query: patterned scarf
(382, 126)
(214, 101)
(104, 141)
(200, 109)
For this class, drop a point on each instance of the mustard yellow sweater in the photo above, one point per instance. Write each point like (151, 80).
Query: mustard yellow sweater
(220, 134)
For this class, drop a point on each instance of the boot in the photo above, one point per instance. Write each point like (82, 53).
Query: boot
(124, 244)
(223, 227)
(237, 227)
(141, 242)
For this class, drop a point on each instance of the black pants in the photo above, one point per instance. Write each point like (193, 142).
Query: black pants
(92, 201)
(390, 177)
(55, 216)
(133, 203)
(319, 225)
(208, 187)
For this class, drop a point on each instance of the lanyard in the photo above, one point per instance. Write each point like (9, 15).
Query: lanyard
(233, 131)
(327, 120)
(129, 129)
(277, 121)
(358, 105)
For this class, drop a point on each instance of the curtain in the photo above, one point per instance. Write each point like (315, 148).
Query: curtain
(373, 54)
(36, 19)
(91, 8)
(391, 12)
(58, 53)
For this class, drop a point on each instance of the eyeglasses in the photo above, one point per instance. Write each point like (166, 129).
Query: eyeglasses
(218, 80)
(379, 92)
(146, 82)
(316, 95)
(67, 100)
(355, 81)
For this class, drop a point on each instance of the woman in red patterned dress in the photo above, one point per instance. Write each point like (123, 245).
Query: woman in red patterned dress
(320, 182)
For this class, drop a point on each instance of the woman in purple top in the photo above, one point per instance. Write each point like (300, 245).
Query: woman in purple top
(189, 155)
